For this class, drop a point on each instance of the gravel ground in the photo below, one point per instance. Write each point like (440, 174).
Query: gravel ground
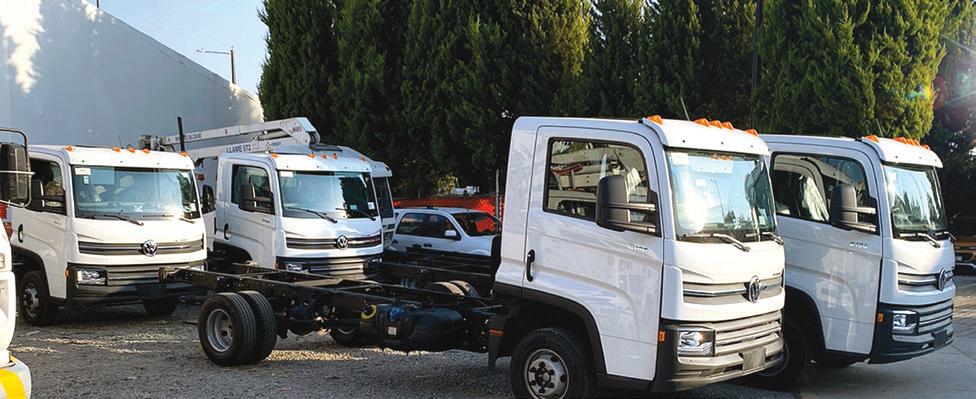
(123, 353)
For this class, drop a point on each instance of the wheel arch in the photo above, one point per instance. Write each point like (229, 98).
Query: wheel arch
(802, 309)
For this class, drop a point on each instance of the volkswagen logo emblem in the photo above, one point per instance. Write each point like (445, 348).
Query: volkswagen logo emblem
(754, 289)
(342, 242)
(149, 248)
(943, 280)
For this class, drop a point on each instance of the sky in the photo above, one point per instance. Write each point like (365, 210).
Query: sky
(187, 25)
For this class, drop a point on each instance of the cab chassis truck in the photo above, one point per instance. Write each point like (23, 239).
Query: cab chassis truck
(626, 279)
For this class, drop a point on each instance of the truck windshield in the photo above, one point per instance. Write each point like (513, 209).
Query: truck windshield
(106, 192)
(477, 224)
(327, 195)
(720, 194)
(384, 197)
(915, 198)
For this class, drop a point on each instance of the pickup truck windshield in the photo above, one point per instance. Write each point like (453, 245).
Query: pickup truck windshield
(106, 192)
(335, 195)
(477, 224)
(915, 198)
(720, 194)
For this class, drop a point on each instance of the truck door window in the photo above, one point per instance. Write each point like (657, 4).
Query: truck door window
(51, 197)
(249, 175)
(803, 183)
(411, 224)
(576, 166)
(436, 226)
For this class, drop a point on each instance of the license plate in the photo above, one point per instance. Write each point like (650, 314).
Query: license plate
(155, 289)
(940, 339)
(754, 359)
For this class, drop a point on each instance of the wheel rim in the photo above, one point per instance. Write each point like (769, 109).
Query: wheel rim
(220, 331)
(31, 300)
(546, 375)
(346, 331)
(782, 365)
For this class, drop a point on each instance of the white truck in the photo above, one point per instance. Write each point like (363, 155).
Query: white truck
(666, 273)
(15, 378)
(101, 222)
(869, 259)
(275, 196)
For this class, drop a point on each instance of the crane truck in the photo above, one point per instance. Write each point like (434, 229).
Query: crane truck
(869, 258)
(635, 254)
(15, 377)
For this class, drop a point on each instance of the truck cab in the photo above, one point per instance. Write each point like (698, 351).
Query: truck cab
(100, 224)
(382, 174)
(15, 377)
(869, 259)
(650, 243)
(298, 210)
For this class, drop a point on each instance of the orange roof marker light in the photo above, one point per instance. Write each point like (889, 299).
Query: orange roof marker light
(311, 155)
(274, 155)
(752, 132)
(131, 150)
(116, 149)
(69, 148)
(145, 150)
(335, 156)
(183, 153)
(716, 123)
(872, 137)
(656, 119)
(325, 156)
(702, 121)
(926, 146)
(728, 125)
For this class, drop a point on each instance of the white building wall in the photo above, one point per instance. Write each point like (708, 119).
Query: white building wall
(73, 74)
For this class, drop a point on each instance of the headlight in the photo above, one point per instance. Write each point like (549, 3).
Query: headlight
(294, 267)
(904, 321)
(696, 342)
(90, 277)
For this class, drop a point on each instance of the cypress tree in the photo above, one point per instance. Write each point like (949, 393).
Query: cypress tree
(611, 66)
(301, 62)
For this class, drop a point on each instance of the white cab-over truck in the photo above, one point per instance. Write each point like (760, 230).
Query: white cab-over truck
(634, 254)
(869, 259)
(275, 196)
(101, 222)
(15, 378)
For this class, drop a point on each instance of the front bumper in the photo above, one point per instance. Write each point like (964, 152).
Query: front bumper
(742, 347)
(127, 284)
(965, 260)
(15, 380)
(933, 332)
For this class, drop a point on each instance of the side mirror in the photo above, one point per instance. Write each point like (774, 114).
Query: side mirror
(845, 212)
(452, 234)
(207, 200)
(251, 202)
(614, 209)
(14, 174)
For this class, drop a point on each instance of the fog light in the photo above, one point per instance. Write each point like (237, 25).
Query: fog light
(904, 321)
(90, 277)
(294, 267)
(696, 342)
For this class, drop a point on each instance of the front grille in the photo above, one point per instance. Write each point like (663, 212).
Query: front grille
(718, 294)
(162, 248)
(331, 243)
(741, 335)
(934, 317)
(964, 257)
(923, 282)
(339, 267)
(124, 275)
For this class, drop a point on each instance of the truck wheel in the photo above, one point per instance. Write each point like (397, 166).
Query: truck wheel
(35, 305)
(226, 329)
(445, 287)
(161, 307)
(552, 363)
(467, 288)
(796, 357)
(267, 326)
(348, 337)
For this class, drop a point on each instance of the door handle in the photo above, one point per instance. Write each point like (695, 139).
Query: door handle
(427, 245)
(529, 259)
(226, 231)
(20, 233)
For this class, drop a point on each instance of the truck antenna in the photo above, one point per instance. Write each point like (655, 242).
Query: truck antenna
(179, 126)
(688, 118)
(880, 130)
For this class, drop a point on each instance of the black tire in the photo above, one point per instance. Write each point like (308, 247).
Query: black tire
(554, 356)
(445, 287)
(796, 355)
(467, 288)
(161, 307)
(34, 304)
(350, 338)
(267, 326)
(236, 341)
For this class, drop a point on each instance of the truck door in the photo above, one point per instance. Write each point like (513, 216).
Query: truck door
(248, 230)
(839, 269)
(615, 275)
(40, 228)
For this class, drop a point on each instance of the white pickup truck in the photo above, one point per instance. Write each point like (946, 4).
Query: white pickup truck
(100, 224)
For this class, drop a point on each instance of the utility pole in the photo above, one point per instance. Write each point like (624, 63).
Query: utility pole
(755, 63)
(233, 66)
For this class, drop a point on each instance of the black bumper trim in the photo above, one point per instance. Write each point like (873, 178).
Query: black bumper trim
(889, 347)
(114, 294)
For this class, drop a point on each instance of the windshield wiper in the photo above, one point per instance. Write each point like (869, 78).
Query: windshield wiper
(776, 238)
(724, 237)
(919, 234)
(359, 212)
(316, 213)
(119, 217)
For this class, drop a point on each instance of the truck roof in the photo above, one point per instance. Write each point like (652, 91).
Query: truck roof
(694, 135)
(888, 150)
(104, 156)
(325, 161)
